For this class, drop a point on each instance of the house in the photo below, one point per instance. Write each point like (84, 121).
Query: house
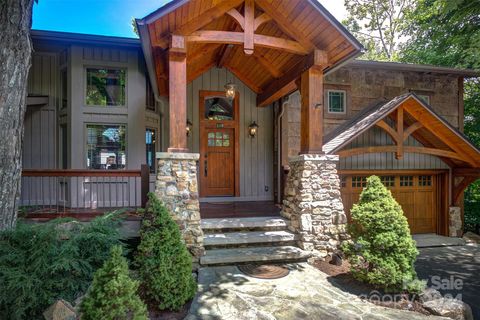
(222, 98)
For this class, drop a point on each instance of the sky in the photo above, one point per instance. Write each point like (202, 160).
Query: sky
(111, 17)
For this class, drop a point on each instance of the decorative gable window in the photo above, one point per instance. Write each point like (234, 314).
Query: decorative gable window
(337, 101)
(425, 98)
(105, 87)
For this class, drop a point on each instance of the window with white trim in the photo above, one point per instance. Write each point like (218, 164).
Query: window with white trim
(337, 101)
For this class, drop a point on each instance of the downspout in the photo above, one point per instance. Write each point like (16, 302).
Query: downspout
(283, 102)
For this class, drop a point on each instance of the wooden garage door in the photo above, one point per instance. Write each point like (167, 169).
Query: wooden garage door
(415, 193)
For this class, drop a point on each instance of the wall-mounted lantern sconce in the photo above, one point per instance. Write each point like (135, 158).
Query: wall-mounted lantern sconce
(189, 127)
(230, 90)
(253, 129)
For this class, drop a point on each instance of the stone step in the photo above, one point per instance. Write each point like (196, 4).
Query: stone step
(247, 238)
(255, 254)
(264, 223)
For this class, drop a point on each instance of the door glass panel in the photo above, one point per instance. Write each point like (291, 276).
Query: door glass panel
(211, 142)
(211, 135)
(226, 143)
(219, 108)
(218, 143)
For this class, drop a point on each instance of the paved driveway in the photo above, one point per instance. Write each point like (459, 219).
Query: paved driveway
(454, 270)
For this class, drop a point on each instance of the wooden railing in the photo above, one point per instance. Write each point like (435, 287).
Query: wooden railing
(61, 191)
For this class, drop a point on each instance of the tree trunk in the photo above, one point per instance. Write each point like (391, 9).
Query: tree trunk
(15, 61)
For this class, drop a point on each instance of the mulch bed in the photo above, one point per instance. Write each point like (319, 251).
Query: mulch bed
(169, 315)
(340, 276)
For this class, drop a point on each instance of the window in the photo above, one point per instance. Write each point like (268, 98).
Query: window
(425, 181)
(105, 87)
(106, 147)
(64, 84)
(218, 139)
(359, 182)
(150, 138)
(337, 101)
(64, 146)
(388, 181)
(406, 181)
(150, 97)
(219, 108)
(424, 97)
(343, 182)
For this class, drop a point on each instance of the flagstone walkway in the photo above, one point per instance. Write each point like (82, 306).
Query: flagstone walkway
(225, 293)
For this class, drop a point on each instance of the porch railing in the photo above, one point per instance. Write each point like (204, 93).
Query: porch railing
(76, 191)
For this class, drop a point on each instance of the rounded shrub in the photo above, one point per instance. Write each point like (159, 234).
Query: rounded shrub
(382, 251)
(113, 294)
(163, 261)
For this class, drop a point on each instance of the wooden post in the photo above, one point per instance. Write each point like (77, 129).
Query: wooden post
(144, 184)
(177, 57)
(311, 91)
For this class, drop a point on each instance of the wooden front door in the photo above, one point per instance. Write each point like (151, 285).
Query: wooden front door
(416, 194)
(219, 145)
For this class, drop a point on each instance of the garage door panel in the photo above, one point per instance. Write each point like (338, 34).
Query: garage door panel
(415, 194)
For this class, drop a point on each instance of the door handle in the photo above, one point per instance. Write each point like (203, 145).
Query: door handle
(205, 168)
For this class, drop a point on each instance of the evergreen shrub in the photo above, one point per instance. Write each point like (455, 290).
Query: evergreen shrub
(163, 261)
(382, 251)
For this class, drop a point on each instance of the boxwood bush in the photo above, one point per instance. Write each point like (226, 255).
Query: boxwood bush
(163, 261)
(40, 263)
(382, 251)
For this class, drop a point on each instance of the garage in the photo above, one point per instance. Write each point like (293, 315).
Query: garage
(417, 194)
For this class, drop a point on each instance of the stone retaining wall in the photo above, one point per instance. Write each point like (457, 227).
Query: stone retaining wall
(313, 203)
(177, 187)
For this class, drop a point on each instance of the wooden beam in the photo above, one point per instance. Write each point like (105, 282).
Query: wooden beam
(200, 21)
(407, 149)
(311, 119)
(260, 20)
(248, 33)
(399, 154)
(286, 84)
(411, 129)
(178, 99)
(237, 17)
(284, 24)
(466, 172)
(389, 130)
(458, 189)
(224, 55)
(209, 36)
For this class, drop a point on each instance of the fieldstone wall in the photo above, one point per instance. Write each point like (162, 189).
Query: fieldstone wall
(177, 187)
(314, 205)
(455, 222)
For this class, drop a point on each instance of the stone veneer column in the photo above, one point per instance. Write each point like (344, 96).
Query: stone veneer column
(177, 187)
(455, 222)
(313, 203)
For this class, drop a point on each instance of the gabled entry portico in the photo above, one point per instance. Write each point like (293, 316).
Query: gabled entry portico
(274, 48)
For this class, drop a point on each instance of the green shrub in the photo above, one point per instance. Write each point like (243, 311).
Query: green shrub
(382, 251)
(113, 294)
(40, 263)
(164, 263)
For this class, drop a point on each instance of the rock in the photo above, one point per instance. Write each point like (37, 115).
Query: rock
(471, 237)
(451, 308)
(429, 294)
(336, 259)
(60, 310)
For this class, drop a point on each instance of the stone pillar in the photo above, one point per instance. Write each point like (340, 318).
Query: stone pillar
(313, 203)
(455, 222)
(177, 187)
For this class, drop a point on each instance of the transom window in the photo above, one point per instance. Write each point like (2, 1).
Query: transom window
(406, 181)
(219, 108)
(388, 181)
(424, 181)
(218, 139)
(359, 182)
(106, 146)
(105, 87)
(337, 101)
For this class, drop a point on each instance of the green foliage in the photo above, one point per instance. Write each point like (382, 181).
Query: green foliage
(378, 24)
(113, 294)
(382, 252)
(164, 263)
(40, 263)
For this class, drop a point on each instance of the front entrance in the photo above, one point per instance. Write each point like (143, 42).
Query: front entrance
(219, 145)
(416, 194)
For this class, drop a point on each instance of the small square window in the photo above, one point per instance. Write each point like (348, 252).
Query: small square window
(359, 182)
(388, 181)
(106, 87)
(425, 181)
(336, 101)
(406, 181)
